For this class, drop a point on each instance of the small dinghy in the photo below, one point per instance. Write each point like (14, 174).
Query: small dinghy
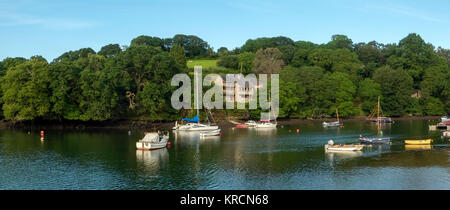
(352, 147)
(365, 140)
(419, 141)
(211, 133)
(153, 140)
(331, 124)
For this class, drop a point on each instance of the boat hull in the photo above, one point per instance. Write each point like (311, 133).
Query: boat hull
(242, 126)
(419, 142)
(147, 145)
(210, 133)
(331, 124)
(266, 125)
(209, 128)
(344, 148)
(150, 146)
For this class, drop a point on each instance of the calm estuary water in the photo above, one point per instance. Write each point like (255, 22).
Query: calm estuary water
(240, 159)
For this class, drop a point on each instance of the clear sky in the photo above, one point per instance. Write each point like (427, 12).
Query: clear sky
(52, 27)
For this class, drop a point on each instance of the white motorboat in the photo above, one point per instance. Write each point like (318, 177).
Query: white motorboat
(445, 119)
(251, 123)
(211, 133)
(352, 147)
(266, 125)
(153, 140)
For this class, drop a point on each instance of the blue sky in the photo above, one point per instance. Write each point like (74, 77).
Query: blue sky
(52, 27)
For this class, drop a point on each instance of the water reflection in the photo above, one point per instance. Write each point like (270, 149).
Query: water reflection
(152, 160)
(265, 131)
(240, 159)
(417, 147)
(332, 155)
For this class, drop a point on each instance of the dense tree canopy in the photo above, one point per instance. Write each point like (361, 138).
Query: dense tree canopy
(411, 77)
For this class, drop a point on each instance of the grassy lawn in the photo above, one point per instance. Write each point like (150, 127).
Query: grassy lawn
(205, 63)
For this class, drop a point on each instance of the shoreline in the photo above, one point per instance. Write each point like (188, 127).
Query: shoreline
(154, 125)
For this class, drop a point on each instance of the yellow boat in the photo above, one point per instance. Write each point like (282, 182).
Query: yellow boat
(418, 142)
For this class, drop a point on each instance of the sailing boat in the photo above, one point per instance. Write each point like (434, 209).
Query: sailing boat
(333, 124)
(198, 126)
(378, 119)
(266, 122)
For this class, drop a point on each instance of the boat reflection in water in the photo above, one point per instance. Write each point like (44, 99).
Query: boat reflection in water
(334, 156)
(186, 138)
(266, 131)
(411, 147)
(152, 160)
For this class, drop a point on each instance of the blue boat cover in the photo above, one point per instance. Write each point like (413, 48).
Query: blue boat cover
(195, 119)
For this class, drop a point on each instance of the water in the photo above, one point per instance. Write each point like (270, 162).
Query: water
(240, 159)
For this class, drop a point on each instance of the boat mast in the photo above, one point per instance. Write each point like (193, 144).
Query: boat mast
(337, 114)
(196, 92)
(271, 108)
(378, 114)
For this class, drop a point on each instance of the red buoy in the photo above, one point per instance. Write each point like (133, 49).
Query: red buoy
(298, 130)
(42, 133)
(168, 143)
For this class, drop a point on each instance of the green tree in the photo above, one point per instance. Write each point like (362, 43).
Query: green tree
(177, 52)
(65, 91)
(289, 100)
(98, 89)
(154, 99)
(193, 45)
(229, 61)
(110, 50)
(25, 90)
(369, 91)
(433, 106)
(148, 41)
(340, 42)
(413, 55)
(396, 88)
(246, 62)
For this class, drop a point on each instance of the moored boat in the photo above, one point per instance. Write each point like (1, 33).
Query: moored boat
(266, 124)
(333, 124)
(211, 133)
(241, 126)
(153, 140)
(350, 147)
(419, 141)
(378, 118)
(445, 119)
